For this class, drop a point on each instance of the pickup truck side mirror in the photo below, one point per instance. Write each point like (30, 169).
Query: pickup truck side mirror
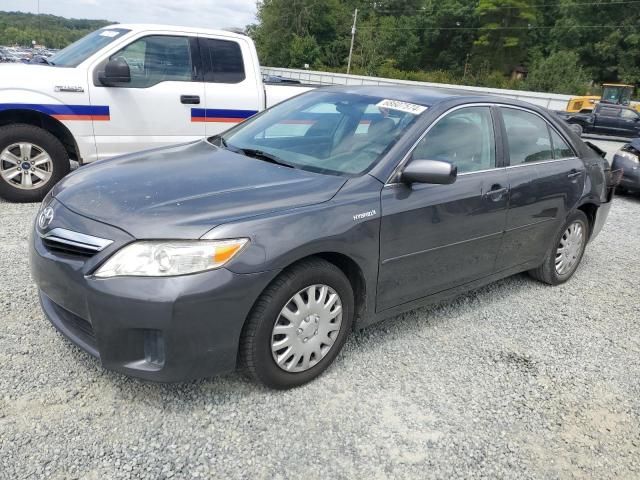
(115, 71)
(429, 171)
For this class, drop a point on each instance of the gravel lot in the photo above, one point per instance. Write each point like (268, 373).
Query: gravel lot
(517, 380)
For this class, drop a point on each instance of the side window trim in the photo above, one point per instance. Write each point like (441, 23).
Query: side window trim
(497, 135)
(550, 127)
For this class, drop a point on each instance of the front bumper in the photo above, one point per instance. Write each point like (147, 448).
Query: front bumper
(161, 329)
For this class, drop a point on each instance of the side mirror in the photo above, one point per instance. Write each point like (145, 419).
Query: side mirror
(115, 71)
(429, 171)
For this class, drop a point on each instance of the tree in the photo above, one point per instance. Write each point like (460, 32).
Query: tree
(560, 73)
(503, 35)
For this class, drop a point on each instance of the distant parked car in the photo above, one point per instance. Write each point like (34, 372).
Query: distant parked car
(607, 119)
(628, 160)
(268, 244)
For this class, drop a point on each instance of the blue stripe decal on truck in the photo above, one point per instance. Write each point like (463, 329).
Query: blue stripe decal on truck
(63, 112)
(220, 115)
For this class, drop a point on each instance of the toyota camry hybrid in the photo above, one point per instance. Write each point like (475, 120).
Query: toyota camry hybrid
(265, 246)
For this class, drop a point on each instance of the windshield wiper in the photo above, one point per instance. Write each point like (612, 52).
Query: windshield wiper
(261, 155)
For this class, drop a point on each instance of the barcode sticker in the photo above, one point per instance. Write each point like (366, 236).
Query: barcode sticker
(406, 107)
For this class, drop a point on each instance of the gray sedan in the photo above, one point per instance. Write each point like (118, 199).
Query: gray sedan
(264, 247)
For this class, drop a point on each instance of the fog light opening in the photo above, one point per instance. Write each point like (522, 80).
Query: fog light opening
(154, 348)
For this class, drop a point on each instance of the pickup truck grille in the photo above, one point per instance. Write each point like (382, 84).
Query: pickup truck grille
(74, 243)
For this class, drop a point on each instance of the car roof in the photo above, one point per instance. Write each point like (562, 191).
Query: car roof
(422, 95)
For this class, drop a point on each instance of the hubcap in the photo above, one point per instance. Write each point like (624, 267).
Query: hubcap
(569, 249)
(25, 165)
(306, 328)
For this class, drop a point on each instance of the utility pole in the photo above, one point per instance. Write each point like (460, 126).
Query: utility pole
(353, 36)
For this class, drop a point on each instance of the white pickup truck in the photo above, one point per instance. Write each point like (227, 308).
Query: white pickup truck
(122, 89)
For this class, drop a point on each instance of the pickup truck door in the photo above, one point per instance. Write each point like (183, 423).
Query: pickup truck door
(232, 83)
(607, 119)
(630, 122)
(154, 109)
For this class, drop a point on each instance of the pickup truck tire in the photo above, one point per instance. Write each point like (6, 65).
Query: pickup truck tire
(32, 161)
(570, 243)
(316, 331)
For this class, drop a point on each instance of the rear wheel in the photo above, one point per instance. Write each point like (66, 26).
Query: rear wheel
(32, 161)
(563, 258)
(576, 127)
(298, 325)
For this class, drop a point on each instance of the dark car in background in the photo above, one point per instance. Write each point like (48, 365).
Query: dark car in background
(265, 246)
(627, 159)
(607, 119)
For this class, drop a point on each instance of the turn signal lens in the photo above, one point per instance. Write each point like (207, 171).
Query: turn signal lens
(169, 258)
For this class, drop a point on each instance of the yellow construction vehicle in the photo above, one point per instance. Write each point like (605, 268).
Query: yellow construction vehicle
(614, 93)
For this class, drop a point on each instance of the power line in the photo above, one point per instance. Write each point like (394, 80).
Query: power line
(529, 27)
(537, 6)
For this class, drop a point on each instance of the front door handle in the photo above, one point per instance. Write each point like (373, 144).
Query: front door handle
(496, 193)
(190, 99)
(574, 173)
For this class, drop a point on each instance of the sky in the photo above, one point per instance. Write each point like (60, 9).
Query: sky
(190, 13)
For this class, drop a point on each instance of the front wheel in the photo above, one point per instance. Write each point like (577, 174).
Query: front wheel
(32, 161)
(564, 256)
(298, 325)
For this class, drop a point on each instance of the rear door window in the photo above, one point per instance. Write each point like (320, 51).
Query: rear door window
(609, 111)
(222, 61)
(527, 135)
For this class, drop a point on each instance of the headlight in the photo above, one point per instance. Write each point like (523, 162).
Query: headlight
(628, 156)
(171, 257)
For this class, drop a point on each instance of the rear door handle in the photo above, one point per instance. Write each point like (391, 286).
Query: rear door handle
(190, 99)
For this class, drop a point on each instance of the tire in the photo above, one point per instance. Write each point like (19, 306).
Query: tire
(30, 184)
(256, 355)
(548, 272)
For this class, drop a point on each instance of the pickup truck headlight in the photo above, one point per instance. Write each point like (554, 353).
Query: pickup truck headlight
(170, 257)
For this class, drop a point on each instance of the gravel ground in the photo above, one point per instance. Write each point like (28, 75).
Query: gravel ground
(516, 380)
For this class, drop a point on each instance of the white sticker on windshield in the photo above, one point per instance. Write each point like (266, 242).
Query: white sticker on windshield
(406, 107)
(109, 33)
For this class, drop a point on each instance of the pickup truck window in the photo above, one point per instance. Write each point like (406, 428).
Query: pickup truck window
(324, 132)
(629, 114)
(528, 137)
(222, 61)
(79, 51)
(157, 58)
(608, 111)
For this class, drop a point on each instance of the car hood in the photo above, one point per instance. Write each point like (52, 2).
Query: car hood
(185, 190)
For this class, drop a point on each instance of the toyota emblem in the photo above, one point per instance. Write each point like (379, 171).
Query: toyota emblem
(45, 218)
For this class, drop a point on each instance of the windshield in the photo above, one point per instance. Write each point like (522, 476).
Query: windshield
(324, 131)
(79, 51)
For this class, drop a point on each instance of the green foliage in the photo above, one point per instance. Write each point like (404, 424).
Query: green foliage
(476, 42)
(57, 32)
(560, 73)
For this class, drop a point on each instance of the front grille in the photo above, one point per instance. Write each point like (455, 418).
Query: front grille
(74, 243)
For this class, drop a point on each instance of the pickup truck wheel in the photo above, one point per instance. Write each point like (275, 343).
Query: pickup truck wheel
(564, 256)
(32, 161)
(298, 325)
